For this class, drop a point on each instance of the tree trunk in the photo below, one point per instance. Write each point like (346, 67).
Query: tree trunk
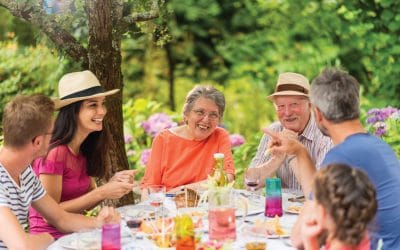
(105, 62)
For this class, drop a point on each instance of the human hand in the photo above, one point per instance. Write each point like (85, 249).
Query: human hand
(252, 177)
(311, 228)
(283, 142)
(108, 215)
(127, 176)
(115, 189)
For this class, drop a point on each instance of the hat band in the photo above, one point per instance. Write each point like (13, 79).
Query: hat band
(86, 92)
(291, 87)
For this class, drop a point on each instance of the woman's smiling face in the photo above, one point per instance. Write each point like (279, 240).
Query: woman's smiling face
(202, 119)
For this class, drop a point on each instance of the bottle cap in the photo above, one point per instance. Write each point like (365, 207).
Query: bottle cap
(218, 155)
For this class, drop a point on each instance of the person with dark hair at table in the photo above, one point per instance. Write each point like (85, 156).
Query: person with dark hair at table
(77, 152)
(27, 127)
(344, 205)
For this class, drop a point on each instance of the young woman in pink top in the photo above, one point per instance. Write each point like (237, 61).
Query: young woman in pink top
(183, 155)
(344, 205)
(77, 150)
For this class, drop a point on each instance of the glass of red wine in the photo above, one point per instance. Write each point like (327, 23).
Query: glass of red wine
(252, 180)
(134, 226)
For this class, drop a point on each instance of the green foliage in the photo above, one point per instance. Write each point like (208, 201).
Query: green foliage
(136, 140)
(26, 70)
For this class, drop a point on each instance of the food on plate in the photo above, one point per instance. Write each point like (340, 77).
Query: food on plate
(268, 227)
(294, 209)
(186, 198)
(157, 226)
(256, 245)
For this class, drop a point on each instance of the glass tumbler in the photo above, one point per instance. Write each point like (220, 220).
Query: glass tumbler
(273, 200)
(111, 237)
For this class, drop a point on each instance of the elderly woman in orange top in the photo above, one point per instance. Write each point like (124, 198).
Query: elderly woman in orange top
(183, 155)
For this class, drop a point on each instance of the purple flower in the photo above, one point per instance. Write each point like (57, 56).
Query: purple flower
(236, 140)
(144, 157)
(128, 139)
(156, 123)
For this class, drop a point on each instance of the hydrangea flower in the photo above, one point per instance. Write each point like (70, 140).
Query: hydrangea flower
(156, 123)
(144, 157)
(236, 140)
(377, 119)
(128, 139)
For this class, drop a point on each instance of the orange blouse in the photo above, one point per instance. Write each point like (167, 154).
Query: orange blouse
(175, 161)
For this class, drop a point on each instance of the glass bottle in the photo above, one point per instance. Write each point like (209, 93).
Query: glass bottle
(219, 174)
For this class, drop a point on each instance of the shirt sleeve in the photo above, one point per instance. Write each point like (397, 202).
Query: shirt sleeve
(153, 171)
(226, 149)
(3, 197)
(261, 156)
(54, 163)
(38, 190)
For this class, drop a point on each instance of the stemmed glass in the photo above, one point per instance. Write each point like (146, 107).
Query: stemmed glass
(252, 180)
(156, 195)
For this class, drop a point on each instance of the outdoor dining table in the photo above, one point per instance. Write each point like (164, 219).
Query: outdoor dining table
(128, 243)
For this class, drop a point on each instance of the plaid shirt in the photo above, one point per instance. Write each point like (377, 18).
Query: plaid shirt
(316, 143)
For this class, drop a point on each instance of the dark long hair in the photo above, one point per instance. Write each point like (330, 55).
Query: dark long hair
(93, 148)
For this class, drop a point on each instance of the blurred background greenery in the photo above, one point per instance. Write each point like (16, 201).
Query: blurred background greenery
(239, 46)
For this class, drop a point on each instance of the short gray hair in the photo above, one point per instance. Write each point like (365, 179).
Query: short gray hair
(337, 95)
(206, 92)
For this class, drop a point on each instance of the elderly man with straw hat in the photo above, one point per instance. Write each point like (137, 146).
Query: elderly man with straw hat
(293, 108)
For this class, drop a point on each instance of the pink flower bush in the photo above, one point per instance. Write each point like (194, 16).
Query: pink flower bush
(236, 140)
(144, 157)
(156, 123)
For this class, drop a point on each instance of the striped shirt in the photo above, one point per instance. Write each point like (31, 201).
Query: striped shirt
(19, 198)
(316, 143)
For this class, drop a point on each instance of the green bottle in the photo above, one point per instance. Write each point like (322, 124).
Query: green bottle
(219, 174)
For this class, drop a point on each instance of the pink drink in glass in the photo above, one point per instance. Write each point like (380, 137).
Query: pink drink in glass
(111, 237)
(222, 224)
(273, 200)
(273, 206)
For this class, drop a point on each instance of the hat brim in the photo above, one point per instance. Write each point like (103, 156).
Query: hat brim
(289, 92)
(58, 103)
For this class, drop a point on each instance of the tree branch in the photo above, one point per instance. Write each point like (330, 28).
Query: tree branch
(140, 17)
(34, 14)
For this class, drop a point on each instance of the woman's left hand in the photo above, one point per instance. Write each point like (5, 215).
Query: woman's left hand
(124, 176)
(108, 215)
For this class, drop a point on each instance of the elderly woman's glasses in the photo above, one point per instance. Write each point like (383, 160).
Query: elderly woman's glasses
(200, 113)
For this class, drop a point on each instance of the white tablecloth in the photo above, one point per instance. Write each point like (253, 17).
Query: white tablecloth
(287, 221)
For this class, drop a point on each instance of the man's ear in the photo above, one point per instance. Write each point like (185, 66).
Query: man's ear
(37, 140)
(318, 115)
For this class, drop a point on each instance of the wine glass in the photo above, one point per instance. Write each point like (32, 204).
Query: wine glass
(252, 180)
(156, 195)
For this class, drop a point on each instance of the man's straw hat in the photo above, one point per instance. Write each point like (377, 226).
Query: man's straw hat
(78, 86)
(291, 84)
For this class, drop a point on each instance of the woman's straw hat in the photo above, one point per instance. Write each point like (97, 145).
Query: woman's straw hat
(291, 84)
(78, 86)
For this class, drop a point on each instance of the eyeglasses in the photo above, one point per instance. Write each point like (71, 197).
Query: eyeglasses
(200, 113)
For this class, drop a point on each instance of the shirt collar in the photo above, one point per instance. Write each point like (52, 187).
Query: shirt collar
(309, 130)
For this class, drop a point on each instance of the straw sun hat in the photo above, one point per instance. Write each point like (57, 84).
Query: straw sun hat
(291, 84)
(78, 86)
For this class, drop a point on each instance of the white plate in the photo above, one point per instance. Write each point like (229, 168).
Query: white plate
(251, 230)
(86, 240)
(90, 240)
(139, 211)
(292, 209)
